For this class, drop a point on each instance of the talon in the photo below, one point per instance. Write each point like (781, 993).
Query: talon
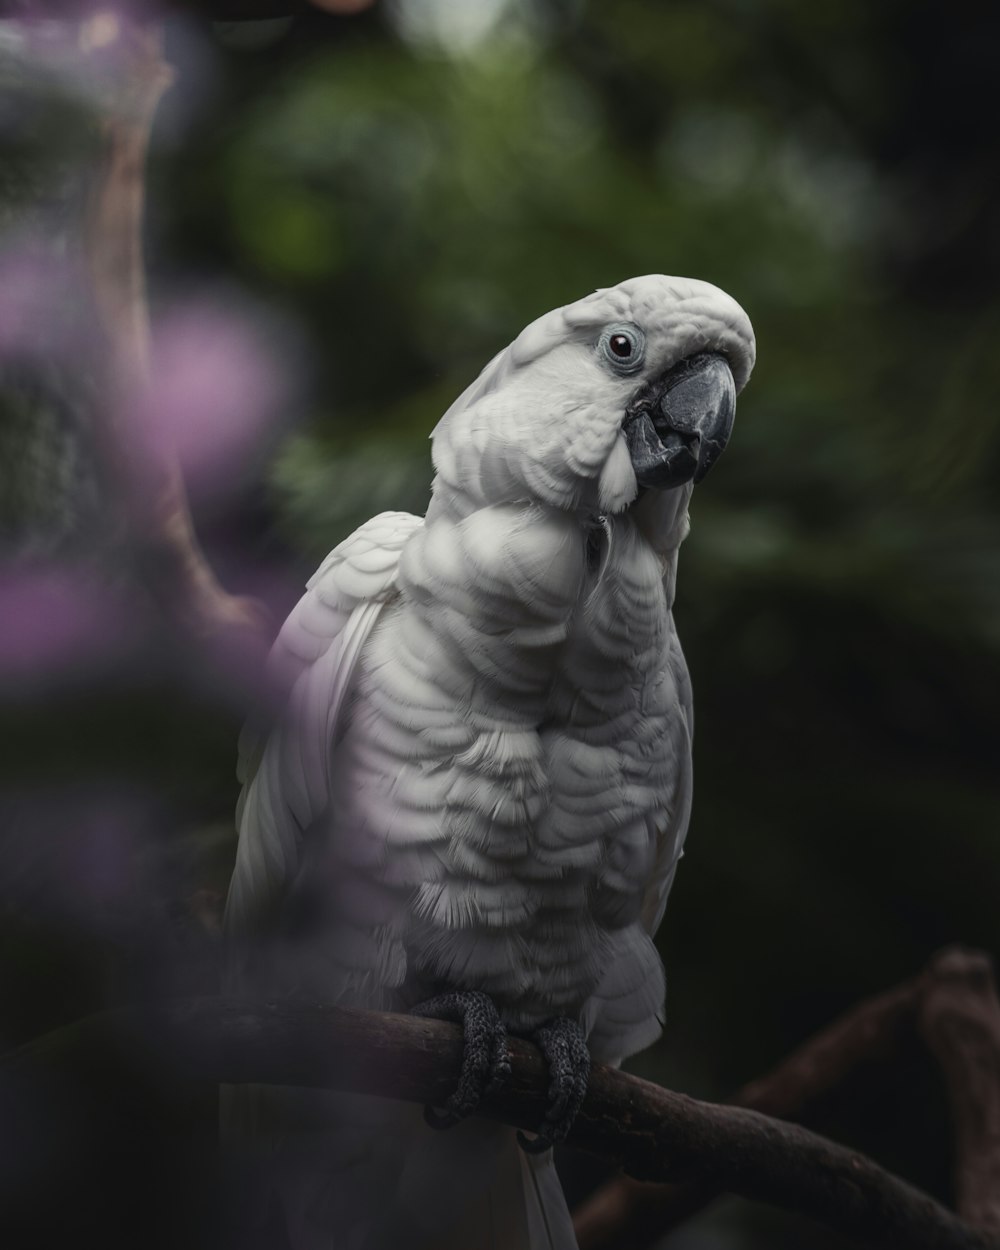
(533, 1145)
(564, 1047)
(499, 1063)
(435, 1118)
(485, 1061)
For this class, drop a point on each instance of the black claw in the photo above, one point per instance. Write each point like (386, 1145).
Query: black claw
(499, 1060)
(441, 1119)
(562, 1043)
(533, 1145)
(485, 1061)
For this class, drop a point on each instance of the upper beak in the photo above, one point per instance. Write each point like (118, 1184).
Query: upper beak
(678, 426)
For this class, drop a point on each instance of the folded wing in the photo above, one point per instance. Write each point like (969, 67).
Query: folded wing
(285, 765)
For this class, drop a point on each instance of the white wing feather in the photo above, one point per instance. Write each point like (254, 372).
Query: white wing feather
(671, 835)
(286, 772)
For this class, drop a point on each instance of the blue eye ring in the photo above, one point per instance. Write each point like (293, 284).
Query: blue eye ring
(623, 346)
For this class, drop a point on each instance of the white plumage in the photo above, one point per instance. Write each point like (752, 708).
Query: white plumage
(482, 776)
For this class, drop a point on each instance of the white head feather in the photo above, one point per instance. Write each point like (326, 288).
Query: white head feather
(543, 421)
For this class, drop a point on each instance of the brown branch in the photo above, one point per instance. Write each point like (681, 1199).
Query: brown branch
(959, 1019)
(125, 40)
(652, 1132)
(149, 478)
(222, 10)
(953, 1003)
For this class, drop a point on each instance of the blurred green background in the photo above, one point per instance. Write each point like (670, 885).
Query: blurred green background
(406, 190)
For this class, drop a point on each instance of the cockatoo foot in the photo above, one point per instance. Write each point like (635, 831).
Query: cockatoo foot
(485, 1061)
(564, 1046)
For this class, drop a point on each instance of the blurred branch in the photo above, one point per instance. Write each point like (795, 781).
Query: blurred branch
(651, 1131)
(158, 509)
(959, 1019)
(952, 1005)
(219, 10)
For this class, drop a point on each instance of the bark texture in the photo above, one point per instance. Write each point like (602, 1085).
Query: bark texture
(952, 1006)
(653, 1133)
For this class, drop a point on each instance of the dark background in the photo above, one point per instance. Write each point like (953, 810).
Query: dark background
(380, 204)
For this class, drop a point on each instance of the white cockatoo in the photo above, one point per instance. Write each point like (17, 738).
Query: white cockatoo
(475, 799)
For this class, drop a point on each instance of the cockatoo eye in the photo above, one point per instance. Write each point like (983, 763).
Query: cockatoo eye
(623, 347)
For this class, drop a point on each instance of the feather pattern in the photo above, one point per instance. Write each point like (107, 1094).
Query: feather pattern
(481, 776)
(286, 775)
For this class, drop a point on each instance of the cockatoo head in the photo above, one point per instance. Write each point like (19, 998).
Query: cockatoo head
(632, 388)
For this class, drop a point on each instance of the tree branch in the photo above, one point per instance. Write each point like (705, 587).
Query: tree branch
(959, 1019)
(652, 1132)
(221, 10)
(153, 491)
(952, 1004)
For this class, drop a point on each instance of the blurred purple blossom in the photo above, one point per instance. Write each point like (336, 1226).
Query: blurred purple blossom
(78, 855)
(34, 286)
(218, 385)
(81, 45)
(56, 622)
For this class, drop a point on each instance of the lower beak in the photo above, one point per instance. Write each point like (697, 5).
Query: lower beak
(677, 427)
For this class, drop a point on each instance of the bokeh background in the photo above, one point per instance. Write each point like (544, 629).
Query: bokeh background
(346, 219)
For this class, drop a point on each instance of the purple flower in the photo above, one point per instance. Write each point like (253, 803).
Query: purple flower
(217, 387)
(55, 622)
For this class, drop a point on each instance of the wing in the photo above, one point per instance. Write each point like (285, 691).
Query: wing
(285, 772)
(671, 834)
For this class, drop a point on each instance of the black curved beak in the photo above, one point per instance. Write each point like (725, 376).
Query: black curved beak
(678, 426)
